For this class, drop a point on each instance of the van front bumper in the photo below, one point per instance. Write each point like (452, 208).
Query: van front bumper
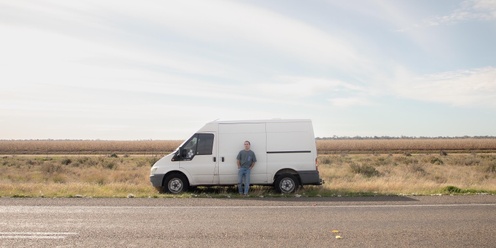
(157, 180)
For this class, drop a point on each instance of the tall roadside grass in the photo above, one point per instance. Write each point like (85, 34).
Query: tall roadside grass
(356, 174)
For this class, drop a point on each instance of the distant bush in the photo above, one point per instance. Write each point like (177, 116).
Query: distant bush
(366, 170)
(66, 161)
(109, 165)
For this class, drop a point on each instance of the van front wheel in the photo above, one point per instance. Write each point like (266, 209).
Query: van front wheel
(286, 184)
(175, 184)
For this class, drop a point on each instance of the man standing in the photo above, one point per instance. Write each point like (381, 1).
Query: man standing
(246, 160)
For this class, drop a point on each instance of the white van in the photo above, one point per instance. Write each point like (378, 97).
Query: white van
(285, 150)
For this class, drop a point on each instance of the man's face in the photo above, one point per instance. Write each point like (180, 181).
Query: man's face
(247, 146)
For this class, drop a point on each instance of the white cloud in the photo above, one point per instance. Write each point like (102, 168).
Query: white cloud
(476, 87)
(486, 8)
(301, 87)
(349, 101)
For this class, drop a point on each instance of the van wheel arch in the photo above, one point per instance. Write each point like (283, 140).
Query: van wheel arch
(175, 182)
(286, 181)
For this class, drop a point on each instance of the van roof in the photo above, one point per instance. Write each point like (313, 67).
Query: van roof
(261, 121)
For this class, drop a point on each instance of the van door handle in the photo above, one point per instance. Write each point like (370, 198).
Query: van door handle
(222, 159)
(215, 159)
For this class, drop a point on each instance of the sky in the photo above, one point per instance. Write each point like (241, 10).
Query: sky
(137, 70)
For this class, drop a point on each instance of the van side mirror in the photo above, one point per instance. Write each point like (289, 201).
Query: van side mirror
(179, 155)
(184, 153)
(176, 156)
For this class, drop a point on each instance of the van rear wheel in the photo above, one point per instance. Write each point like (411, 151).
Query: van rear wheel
(286, 184)
(176, 183)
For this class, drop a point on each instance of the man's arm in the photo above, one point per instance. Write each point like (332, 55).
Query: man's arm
(254, 160)
(238, 158)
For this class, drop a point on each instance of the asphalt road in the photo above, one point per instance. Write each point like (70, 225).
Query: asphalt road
(435, 221)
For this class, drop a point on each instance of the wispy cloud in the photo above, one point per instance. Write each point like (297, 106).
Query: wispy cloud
(111, 39)
(469, 10)
(301, 87)
(484, 10)
(242, 27)
(476, 87)
(109, 53)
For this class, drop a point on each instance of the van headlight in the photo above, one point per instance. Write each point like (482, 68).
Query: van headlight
(153, 170)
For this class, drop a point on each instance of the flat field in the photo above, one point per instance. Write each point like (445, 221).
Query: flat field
(349, 167)
(93, 147)
(389, 146)
(332, 146)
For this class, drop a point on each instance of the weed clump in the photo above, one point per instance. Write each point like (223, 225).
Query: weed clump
(325, 160)
(491, 168)
(417, 169)
(109, 165)
(51, 168)
(437, 161)
(452, 189)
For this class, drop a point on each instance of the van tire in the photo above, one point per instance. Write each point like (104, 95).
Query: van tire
(175, 183)
(286, 183)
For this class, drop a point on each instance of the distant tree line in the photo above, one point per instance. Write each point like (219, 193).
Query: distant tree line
(335, 137)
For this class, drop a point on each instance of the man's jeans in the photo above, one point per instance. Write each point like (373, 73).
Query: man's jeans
(244, 172)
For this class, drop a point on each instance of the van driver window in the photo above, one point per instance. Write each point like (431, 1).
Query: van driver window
(199, 144)
(205, 144)
(189, 149)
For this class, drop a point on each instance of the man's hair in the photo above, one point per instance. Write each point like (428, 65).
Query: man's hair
(248, 142)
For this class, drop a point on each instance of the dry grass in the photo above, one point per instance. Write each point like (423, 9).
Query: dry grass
(400, 174)
(347, 166)
(95, 176)
(105, 176)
